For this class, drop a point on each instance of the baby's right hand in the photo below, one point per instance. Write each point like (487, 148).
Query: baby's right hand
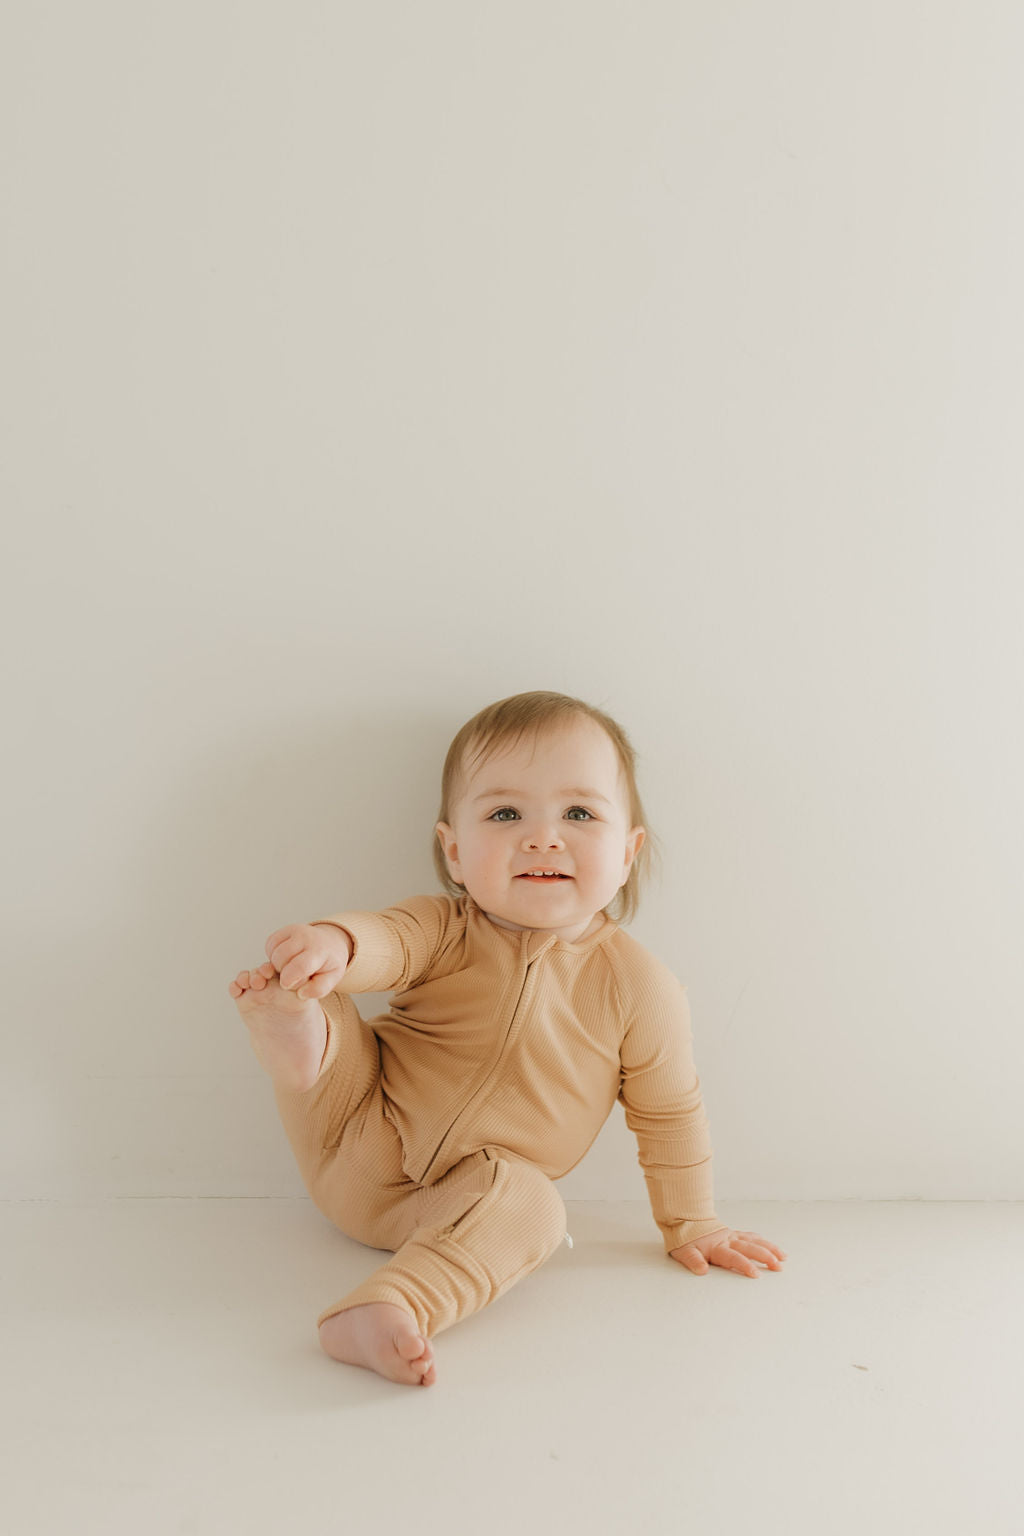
(309, 958)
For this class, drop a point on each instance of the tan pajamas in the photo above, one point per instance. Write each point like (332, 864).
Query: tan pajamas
(436, 1130)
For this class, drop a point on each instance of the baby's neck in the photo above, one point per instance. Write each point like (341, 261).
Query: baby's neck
(595, 923)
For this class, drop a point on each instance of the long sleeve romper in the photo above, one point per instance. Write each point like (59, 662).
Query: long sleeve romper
(436, 1129)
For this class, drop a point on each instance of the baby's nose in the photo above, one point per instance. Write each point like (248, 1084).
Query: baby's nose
(543, 837)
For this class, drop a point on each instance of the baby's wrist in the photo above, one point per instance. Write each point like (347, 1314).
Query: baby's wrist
(345, 939)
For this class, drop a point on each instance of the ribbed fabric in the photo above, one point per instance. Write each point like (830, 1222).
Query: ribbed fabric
(497, 1222)
(436, 1129)
(461, 1241)
(524, 1041)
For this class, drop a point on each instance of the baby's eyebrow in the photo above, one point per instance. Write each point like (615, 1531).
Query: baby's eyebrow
(587, 794)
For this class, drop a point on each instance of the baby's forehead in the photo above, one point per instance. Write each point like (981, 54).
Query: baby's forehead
(577, 737)
(584, 743)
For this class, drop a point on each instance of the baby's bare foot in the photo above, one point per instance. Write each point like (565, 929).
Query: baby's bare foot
(288, 1033)
(383, 1338)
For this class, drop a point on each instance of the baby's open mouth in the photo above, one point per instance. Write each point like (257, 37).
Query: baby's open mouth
(543, 877)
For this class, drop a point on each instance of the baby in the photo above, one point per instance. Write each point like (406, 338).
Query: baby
(521, 1012)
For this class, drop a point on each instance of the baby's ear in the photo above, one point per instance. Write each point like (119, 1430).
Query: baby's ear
(446, 837)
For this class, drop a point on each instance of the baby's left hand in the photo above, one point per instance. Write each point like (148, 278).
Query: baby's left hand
(730, 1250)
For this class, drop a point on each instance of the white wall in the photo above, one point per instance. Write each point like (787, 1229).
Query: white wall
(365, 364)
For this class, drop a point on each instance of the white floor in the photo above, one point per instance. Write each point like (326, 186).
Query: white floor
(161, 1373)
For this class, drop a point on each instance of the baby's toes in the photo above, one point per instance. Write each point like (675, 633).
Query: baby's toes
(411, 1346)
(247, 981)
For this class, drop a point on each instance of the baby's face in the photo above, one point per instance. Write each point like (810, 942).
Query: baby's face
(557, 804)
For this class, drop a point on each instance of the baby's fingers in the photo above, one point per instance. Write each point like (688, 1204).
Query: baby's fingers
(320, 984)
(303, 976)
(295, 974)
(294, 962)
(281, 936)
(762, 1248)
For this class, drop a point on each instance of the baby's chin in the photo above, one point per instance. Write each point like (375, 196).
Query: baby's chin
(501, 915)
(506, 914)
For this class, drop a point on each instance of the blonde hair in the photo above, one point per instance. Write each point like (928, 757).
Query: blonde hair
(505, 724)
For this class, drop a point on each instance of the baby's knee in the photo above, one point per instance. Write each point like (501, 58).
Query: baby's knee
(532, 1194)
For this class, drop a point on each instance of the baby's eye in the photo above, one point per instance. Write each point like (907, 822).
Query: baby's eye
(501, 813)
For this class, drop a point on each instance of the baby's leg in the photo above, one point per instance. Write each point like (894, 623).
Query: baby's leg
(338, 1132)
(486, 1224)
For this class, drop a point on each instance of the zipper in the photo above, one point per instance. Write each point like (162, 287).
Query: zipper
(469, 1104)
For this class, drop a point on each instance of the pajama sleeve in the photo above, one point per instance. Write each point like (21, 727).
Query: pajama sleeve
(394, 948)
(660, 1092)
